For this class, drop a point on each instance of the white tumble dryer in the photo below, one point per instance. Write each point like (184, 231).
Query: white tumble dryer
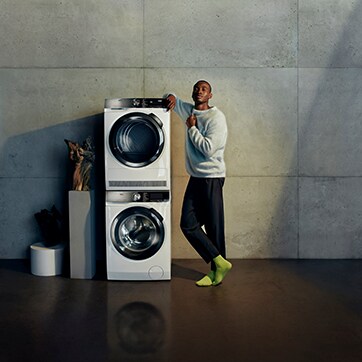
(138, 235)
(137, 144)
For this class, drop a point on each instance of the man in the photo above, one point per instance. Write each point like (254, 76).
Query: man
(203, 201)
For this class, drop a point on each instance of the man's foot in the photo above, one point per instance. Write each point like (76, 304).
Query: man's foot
(207, 280)
(222, 268)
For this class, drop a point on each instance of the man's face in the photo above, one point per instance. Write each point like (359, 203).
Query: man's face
(201, 93)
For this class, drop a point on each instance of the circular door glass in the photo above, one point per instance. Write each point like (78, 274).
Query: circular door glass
(137, 139)
(138, 232)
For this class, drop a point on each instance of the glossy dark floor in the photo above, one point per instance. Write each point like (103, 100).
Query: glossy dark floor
(264, 311)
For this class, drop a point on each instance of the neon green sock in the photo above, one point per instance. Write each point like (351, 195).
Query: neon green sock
(207, 280)
(222, 268)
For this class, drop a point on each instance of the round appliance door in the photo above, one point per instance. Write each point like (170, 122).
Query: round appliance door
(137, 139)
(138, 232)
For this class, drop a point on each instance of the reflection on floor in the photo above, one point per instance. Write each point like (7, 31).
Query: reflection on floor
(265, 310)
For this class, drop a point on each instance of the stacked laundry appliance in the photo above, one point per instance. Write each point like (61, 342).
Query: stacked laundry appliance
(138, 184)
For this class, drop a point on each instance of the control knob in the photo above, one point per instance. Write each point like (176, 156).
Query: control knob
(136, 196)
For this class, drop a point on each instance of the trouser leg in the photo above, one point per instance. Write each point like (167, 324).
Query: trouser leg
(215, 221)
(203, 205)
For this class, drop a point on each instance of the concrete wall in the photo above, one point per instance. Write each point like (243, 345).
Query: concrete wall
(286, 73)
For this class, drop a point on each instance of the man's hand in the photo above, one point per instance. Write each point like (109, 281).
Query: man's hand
(171, 102)
(191, 121)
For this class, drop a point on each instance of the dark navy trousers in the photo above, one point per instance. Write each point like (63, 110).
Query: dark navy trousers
(203, 205)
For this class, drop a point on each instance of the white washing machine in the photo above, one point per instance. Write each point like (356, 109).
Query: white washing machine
(137, 144)
(138, 235)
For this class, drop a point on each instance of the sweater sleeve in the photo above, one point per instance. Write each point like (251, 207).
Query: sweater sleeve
(183, 109)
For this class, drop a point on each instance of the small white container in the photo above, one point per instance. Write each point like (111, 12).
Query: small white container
(46, 260)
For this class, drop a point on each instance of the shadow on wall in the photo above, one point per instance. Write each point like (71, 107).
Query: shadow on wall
(329, 187)
(35, 173)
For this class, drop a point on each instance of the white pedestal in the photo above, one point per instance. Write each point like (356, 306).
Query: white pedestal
(81, 235)
(46, 261)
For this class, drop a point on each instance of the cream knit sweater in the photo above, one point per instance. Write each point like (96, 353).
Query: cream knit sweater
(205, 142)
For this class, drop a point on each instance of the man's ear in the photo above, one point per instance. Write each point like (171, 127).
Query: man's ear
(210, 96)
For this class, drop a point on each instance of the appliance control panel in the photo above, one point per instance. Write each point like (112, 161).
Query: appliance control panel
(137, 196)
(120, 103)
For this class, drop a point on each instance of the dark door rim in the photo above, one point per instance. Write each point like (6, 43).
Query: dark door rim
(149, 120)
(148, 213)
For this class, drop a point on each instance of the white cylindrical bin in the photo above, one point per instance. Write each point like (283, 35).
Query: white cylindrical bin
(46, 261)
